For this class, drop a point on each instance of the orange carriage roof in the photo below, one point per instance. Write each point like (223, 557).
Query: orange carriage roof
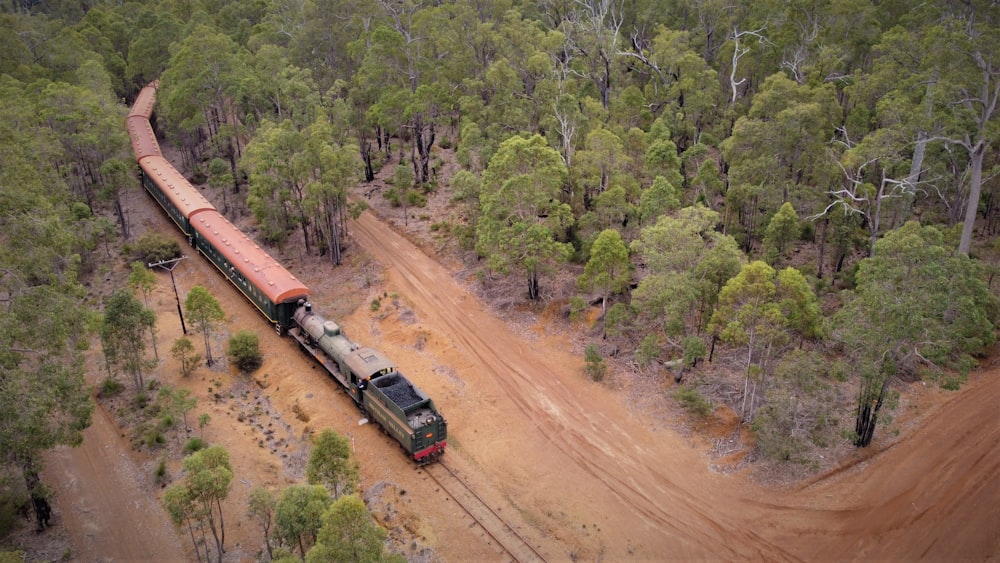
(145, 101)
(140, 132)
(175, 186)
(256, 265)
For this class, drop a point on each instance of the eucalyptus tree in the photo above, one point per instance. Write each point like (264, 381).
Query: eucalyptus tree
(147, 59)
(687, 262)
(608, 268)
(963, 54)
(278, 179)
(679, 84)
(349, 533)
(523, 220)
(336, 170)
(197, 89)
(600, 164)
(919, 305)
(298, 515)
(760, 309)
(593, 33)
(197, 499)
(123, 334)
(319, 34)
(330, 464)
(778, 153)
(88, 123)
(205, 313)
(782, 230)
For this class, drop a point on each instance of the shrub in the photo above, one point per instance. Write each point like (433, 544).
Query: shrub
(693, 401)
(416, 199)
(799, 409)
(110, 387)
(160, 475)
(194, 444)
(244, 351)
(596, 368)
(154, 247)
(153, 437)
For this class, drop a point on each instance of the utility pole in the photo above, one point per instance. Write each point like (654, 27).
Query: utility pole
(169, 266)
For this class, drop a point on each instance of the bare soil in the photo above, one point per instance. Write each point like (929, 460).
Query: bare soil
(584, 471)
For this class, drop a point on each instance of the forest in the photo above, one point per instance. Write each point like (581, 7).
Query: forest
(809, 187)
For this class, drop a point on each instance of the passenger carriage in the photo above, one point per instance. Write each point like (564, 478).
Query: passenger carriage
(265, 283)
(181, 200)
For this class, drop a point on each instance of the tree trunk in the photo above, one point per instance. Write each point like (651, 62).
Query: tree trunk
(533, 286)
(975, 189)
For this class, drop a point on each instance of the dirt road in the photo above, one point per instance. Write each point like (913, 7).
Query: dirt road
(101, 500)
(580, 473)
(589, 471)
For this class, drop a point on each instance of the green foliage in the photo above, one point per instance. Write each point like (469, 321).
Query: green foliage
(244, 351)
(160, 474)
(694, 349)
(153, 247)
(261, 507)
(617, 319)
(298, 515)
(123, 334)
(330, 464)
(197, 500)
(205, 313)
(800, 411)
(595, 367)
(577, 305)
(918, 303)
(110, 387)
(781, 231)
(608, 267)
(153, 437)
(688, 263)
(693, 401)
(194, 444)
(649, 349)
(349, 533)
(183, 352)
(522, 218)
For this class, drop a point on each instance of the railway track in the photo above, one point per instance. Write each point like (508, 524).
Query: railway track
(503, 534)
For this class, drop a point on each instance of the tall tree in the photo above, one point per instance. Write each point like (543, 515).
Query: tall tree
(330, 464)
(123, 334)
(608, 267)
(298, 515)
(778, 153)
(750, 314)
(197, 500)
(205, 312)
(687, 263)
(349, 533)
(966, 56)
(143, 280)
(260, 507)
(918, 303)
(523, 219)
(45, 324)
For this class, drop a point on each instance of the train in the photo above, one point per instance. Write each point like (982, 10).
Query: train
(368, 376)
